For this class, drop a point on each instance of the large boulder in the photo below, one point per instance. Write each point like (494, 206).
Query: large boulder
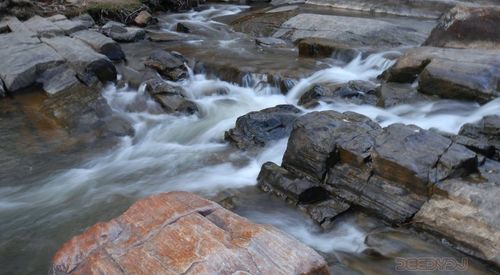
(90, 65)
(181, 233)
(389, 171)
(261, 127)
(100, 43)
(465, 74)
(466, 214)
(350, 31)
(169, 64)
(171, 98)
(467, 27)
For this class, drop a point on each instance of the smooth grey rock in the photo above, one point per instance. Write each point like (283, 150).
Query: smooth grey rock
(86, 20)
(262, 127)
(270, 42)
(69, 26)
(21, 64)
(43, 27)
(100, 43)
(352, 31)
(57, 17)
(90, 65)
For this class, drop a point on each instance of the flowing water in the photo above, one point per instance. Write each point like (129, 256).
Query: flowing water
(188, 153)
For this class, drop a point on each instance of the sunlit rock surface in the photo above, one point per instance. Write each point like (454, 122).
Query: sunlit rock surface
(178, 232)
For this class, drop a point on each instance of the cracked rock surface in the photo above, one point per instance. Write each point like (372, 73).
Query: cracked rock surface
(181, 233)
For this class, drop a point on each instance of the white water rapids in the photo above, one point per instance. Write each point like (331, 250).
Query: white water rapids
(188, 153)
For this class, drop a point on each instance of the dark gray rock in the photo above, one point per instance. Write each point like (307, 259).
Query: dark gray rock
(261, 127)
(356, 92)
(70, 26)
(86, 20)
(119, 32)
(314, 139)
(169, 64)
(58, 79)
(2, 89)
(325, 212)
(100, 43)
(467, 27)
(171, 98)
(483, 136)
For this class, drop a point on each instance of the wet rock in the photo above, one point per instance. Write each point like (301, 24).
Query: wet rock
(2, 89)
(321, 47)
(465, 74)
(279, 181)
(466, 214)
(392, 94)
(169, 64)
(43, 27)
(270, 42)
(483, 136)
(90, 66)
(262, 127)
(349, 31)
(143, 19)
(356, 92)
(100, 43)
(325, 212)
(119, 32)
(314, 140)
(118, 126)
(182, 233)
(467, 27)
(171, 98)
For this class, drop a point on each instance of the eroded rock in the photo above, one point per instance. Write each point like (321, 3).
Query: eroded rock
(179, 232)
(261, 127)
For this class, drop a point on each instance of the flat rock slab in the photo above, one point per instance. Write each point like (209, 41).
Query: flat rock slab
(181, 233)
(100, 43)
(353, 31)
(43, 27)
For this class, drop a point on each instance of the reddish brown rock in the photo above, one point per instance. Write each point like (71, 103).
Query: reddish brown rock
(179, 232)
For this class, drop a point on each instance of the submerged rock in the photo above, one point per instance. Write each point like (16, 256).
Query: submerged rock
(467, 27)
(261, 127)
(270, 42)
(392, 94)
(321, 47)
(169, 64)
(179, 232)
(171, 98)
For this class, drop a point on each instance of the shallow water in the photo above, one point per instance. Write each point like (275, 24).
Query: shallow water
(188, 153)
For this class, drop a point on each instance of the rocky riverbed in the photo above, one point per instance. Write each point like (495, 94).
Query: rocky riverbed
(291, 137)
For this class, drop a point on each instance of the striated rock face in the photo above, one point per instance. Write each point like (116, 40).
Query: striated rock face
(466, 214)
(261, 127)
(483, 136)
(181, 233)
(467, 27)
(466, 74)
